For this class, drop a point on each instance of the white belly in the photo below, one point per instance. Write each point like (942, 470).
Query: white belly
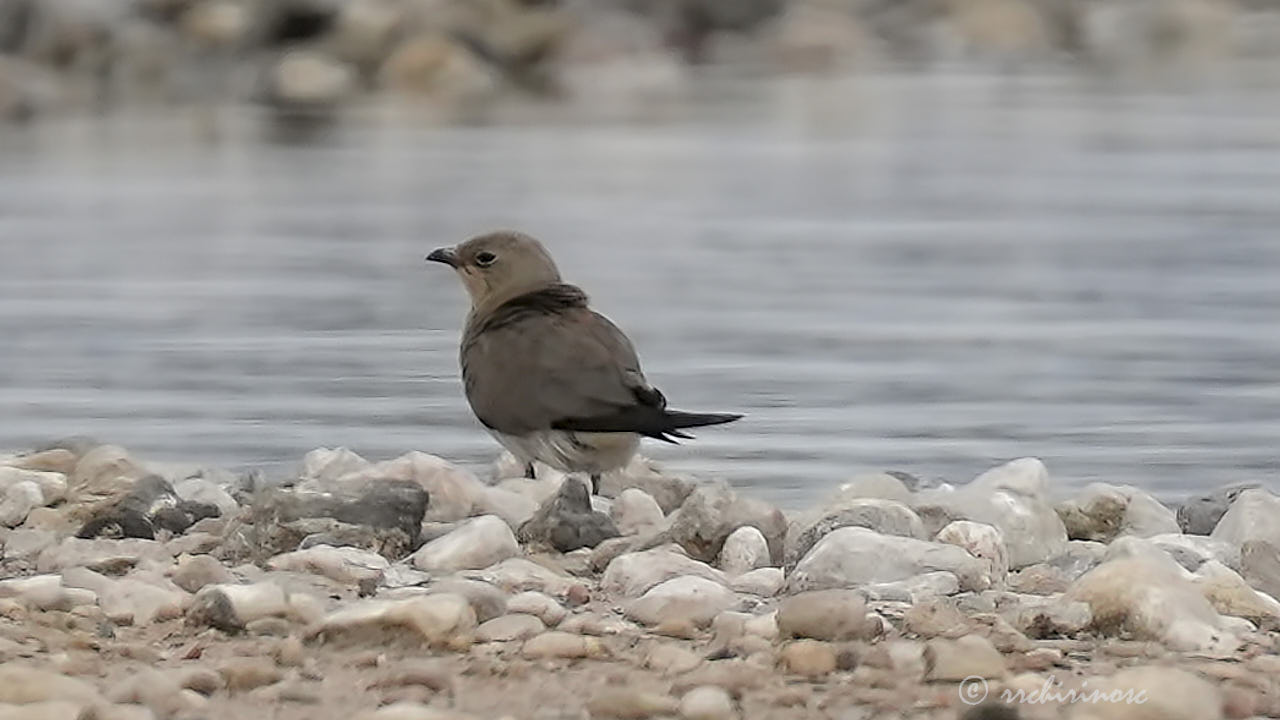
(573, 452)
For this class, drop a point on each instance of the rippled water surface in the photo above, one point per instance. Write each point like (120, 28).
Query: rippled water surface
(927, 273)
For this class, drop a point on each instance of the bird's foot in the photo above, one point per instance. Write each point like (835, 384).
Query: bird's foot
(595, 484)
(529, 473)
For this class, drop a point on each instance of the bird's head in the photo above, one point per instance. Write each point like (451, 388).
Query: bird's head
(499, 266)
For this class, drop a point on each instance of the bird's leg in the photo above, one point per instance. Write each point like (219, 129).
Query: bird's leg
(528, 472)
(595, 484)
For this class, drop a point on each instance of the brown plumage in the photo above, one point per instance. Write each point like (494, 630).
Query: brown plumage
(551, 379)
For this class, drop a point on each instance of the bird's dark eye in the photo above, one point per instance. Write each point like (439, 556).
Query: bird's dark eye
(485, 258)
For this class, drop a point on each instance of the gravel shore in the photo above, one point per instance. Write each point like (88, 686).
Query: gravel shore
(410, 589)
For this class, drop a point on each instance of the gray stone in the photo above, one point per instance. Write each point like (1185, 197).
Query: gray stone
(634, 511)
(886, 517)
(1014, 498)
(855, 556)
(1200, 515)
(712, 512)
(836, 615)
(566, 521)
(1251, 517)
(476, 544)
(632, 574)
(1152, 599)
(1102, 512)
(669, 491)
(694, 599)
(744, 550)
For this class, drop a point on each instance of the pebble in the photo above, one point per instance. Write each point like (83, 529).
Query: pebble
(635, 511)
(694, 599)
(194, 572)
(563, 645)
(632, 574)
(630, 704)
(671, 659)
(441, 620)
(763, 582)
(476, 544)
(347, 565)
(954, 660)
(243, 674)
(825, 615)
(509, 627)
(707, 703)
(808, 658)
(744, 550)
(231, 607)
(539, 605)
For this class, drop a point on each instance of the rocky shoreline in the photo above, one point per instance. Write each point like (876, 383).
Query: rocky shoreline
(313, 57)
(411, 589)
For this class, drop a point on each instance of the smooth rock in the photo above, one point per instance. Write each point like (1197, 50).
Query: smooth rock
(1014, 498)
(885, 517)
(22, 685)
(668, 491)
(519, 574)
(247, 673)
(514, 508)
(1252, 517)
(329, 464)
(101, 555)
(981, 541)
(969, 656)
(671, 659)
(633, 574)
(1200, 515)
(23, 543)
(1042, 579)
(1152, 693)
(835, 615)
(17, 501)
(476, 544)
(309, 79)
(56, 460)
(544, 607)
(1192, 551)
(882, 486)
(52, 485)
(455, 494)
(744, 550)
(1053, 619)
(193, 572)
(707, 703)
(563, 645)
(1231, 595)
(566, 521)
(487, 601)
(623, 703)
(230, 607)
(50, 709)
(1260, 566)
(634, 510)
(1103, 512)
(1079, 557)
(45, 592)
(854, 556)
(712, 512)
(808, 658)
(936, 618)
(510, 627)
(381, 514)
(138, 599)
(347, 565)
(441, 620)
(1152, 600)
(696, 599)
(917, 589)
(764, 582)
(412, 711)
(206, 492)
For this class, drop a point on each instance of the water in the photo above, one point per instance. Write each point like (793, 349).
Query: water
(928, 273)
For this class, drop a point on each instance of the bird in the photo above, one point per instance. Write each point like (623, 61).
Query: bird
(551, 379)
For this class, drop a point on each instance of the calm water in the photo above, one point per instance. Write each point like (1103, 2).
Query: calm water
(931, 273)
